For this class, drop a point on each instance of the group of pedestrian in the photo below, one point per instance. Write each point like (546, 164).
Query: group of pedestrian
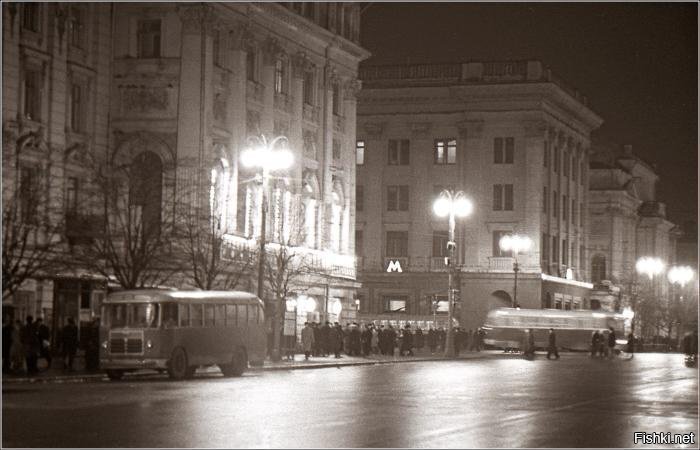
(24, 345)
(603, 343)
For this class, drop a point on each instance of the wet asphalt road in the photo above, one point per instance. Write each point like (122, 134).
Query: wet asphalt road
(493, 402)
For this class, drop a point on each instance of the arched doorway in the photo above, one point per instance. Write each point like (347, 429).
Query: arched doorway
(500, 299)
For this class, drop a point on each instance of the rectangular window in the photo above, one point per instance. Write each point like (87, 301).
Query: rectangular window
(28, 194)
(445, 151)
(208, 315)
(396, 243)
(252, 314)
(503, 150)
(359, 197)
(545, 200)
(555, 204)
(33, 83)
(360, 153)
(219, 315)
(496, 244)
(336, 149)
(395, 303)
(397, 198)
(580, 256)
(184, 315)
(336, 99)
(148, 42)
(565, 208)
(573, 255)
(72, 189)
(250, 65)
(498, 150)
(230, 315)
(76, 27)
(308, 88)
(196, 315)
(573, 211)
(545, 160)
(440, 243)
(564, 252)
(31, 17)
(555, 164)
(398, 152)
(555, 249)
(498, 197)
(280, 76)
(510, 150)
(508, 203)
(359, 243)
(544, 253)
(76, 107)
(241, 315)
(565, 158)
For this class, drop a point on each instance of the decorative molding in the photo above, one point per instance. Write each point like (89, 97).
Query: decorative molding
(470, 128)
(420, 129)
(374, 129)
(242, 38)
(535, 128)
(273, 50)
(351, 89)
(331, 77)
(301, 63)
(143, 99)
(197, 18)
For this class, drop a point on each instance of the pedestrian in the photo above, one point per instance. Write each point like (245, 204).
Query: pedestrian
(390, 340)
(307, 340)
(17, 359)
(6, 343)
(612, 341)
(595, 342)
(552, 348)
(441, 336)
(44, 337)
(325, 336)
(317, 339)
(407, 343)
(375, 340)
(366, 339)
(30, 341)
(346, 338)
(420, 339)
(531, 343)
(92, 348)
(69, 343)
(355, 339)
(457, 340)
(432, 340)
(630, 344)
(336, 339)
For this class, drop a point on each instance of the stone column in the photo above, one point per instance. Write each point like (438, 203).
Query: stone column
(350, 90)
(271, 51)
(296, 138)
(530, 196)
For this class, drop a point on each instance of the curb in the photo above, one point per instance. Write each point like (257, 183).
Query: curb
(60, 379)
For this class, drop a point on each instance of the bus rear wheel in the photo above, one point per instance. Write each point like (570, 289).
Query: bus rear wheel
(238, 365)
(178, 368)
(115, 375)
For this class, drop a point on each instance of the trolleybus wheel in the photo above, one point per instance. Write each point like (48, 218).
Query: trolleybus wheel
(238, 365)
(115, 375)
(177, 366)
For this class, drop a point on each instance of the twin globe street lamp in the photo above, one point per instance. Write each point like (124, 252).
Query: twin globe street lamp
(516, 244)
(451, 204)
(679, 276)
(264, 155)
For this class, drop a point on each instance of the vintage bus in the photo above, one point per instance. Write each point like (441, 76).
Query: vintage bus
(179, 331)
(505, 327)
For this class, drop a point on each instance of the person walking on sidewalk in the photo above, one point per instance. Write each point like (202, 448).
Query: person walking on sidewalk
(6, 343)
(420, 340)
(432, 340)
(407, 342)
(307, 340)
(31, 345)
(612, 340)
(69, 343)
(375, 340)
(325, 336)
(44, 336)
(336, 339)
(17, 359)
(552, 348)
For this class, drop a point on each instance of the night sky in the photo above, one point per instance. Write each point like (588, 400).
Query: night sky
(636, 63)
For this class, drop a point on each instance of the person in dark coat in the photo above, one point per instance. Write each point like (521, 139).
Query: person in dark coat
(407, 343)
(355, 340)
(441, 337)
(315, 347)
(552, 348)
(595, 342)
(6, 343)
(457, 336)
(324, 336)
(92, 347)
(366, 340)
(630, 345)
(44, 336)
(390, 341)
(30, 341)
(419, 339)
(69, 343)
(432, 340)
(612, 341)
(335, 339)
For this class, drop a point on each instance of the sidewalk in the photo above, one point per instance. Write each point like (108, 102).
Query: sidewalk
(57, 375)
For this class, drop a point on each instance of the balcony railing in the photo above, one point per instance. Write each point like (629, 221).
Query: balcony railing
(501, 263)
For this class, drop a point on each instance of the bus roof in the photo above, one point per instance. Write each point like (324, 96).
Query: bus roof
(521, 312)
(162, 295)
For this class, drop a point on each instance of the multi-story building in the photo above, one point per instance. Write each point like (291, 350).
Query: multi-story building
(511, 136)
(181, 88)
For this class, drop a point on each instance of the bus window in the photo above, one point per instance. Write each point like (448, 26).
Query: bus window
(196, 315)
(208, 315)
(261, 319)
(252, 314)
(184, 315)
(169, 317)
(142, 315)
(230, 315)
(114, 316)
(241, 315)
(220, 316)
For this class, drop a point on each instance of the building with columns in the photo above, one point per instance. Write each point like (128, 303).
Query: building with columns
(181, 88)
(510, 135)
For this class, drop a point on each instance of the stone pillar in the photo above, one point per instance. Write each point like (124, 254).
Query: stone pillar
(326, 110)
(530, 160)
(350, 90)
(296, 138)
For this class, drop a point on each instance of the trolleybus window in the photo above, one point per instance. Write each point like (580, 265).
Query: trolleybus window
(184, 315)
(196, 315)
(134, 315)
(208, 315)
(230, 315)
(220, 316)
(252, 314)
(242, 315)
(170, 315)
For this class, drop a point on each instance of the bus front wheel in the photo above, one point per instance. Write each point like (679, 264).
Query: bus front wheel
(178, 368)
(238, 365)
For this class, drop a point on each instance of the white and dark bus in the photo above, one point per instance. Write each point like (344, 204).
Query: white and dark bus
(179, 331)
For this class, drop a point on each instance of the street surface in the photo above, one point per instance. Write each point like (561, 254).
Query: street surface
(491, 402)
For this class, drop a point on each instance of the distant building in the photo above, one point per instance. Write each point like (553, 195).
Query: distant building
(516, 140)
(182, 86)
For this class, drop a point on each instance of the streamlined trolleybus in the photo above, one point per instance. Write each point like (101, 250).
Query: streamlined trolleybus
(505, 327)
(178, 331)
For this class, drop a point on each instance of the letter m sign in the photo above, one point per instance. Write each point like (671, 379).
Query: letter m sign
(394, 266)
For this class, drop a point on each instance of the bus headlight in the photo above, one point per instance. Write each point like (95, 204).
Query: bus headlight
(149, 344)
(104, 345)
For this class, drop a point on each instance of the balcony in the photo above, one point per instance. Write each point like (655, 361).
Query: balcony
(501, 264)
(437, 263)
(396, 264)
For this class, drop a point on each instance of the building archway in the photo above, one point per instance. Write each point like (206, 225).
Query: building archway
(500, 299)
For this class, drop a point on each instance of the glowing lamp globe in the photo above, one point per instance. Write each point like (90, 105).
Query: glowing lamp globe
(463, 207)
(441, 207)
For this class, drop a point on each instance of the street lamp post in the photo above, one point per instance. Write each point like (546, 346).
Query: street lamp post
(649, 266)
(261, 154)
(516, 244)
(451, 204)
(679, 276)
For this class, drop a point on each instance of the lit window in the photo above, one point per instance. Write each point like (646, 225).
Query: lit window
(445, 151)
(360, 153)
(280, 76)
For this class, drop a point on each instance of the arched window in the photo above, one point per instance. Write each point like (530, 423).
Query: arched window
(598, 272)
(218, 194)
(146, 191)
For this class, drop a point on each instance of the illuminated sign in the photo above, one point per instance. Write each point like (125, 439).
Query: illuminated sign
(394, 266)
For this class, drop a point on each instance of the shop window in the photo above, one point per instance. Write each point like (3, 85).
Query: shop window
(395, 304)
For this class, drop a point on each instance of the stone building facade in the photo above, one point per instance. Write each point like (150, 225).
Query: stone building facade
(511, 136)
(185, 87)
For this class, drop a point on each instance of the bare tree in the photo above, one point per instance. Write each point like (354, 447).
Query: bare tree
(134, 243)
